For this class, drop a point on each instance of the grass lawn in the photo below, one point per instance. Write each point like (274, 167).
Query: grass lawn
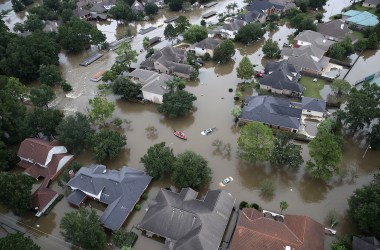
(358, 34)
(312, 89)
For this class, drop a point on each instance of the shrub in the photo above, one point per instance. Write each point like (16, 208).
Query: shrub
(255, 206)
(267, 188)
(66, 87)
(137, 207)
(123, 238)
(243, 204)
(207, 57)
(144, 196)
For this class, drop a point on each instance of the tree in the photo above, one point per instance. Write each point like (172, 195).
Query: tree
(256, 142)
(159, 160)
(342, 49)
(286, 153)
(175, 5)
(107, 144)
(124, 239)
(101, 110)
(170, 32)
(343, 243)
(245, 70)
(195, 33)
(151, 9)
(126, 54)
(41, 96)
(33, 23)
(83, 229)
(73, 131)
(224, 52)
(373, 137)
(372, 41)
(181, 24)
(178, 103)
(361, 44)
(317, 4)
(146, 43)
(7, 158)
(74, 166)
(109, 75)
(16, 88)
(67, 14)
(302, 22)
(190, 170)
(236, 111)
(41, 121)
(319, 17)
(250, 33)
(364, 207)
(50, 75)
(16, 192)
(18, 241)
(77, 35)
(362, 107)
(283, 205)
(271, 49)
(122, 11)
(125, 87)
(325, 151)
(340, 87)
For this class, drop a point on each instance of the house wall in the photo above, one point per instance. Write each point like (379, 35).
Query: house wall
(310, 72)
(273, 126)
(63, 163)
(263, 19)
(152, 97)
(278, 91)
(53, 151)
(186, 76)
(312, 113)
(201, 52)
(40, 212)
(161, 68)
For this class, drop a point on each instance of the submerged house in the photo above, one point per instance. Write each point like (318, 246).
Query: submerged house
(119, 189)
(186, 222)
(258, 231)
(169, 60)
(228, 30)
(282, 78)
(207, 45)
(47, 159)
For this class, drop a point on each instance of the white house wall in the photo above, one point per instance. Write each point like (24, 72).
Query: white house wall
(155, 98)
(63, 162)
(312, 113)
(53, 151)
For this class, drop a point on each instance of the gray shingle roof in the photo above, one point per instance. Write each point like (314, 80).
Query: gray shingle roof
(188, 223)
(365, 243)
(282, 75)
(305, 61)
(143, 75)
(262, 5)
(157, 85)
(137, 6)
(336, 28)
(315, 38)
(120, 190)
(250, 17)
(235, 25)
(313, 104)
(272, 110)
(208, 43)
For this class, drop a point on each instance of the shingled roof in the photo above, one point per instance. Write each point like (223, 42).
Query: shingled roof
(282, 75)
(314, 38)
(120, 190)
(273, 111)
(208, 43)
(256, 232)
(186, 222)
(313, 104)
(335, 28)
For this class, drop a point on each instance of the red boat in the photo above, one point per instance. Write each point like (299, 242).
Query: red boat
(180, 135)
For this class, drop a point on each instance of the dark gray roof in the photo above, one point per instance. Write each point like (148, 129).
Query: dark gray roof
(303, 57)
(208, 43)
(250, 16)
(80, 12)
(157, 85)
(98, 8)
(272, 110)
(313, 104)
(143, 75)
(262, 5)
(336, 28)
(315, 38)
(365, 243)
(188, 223)
(76, 197)
(137, 6)
(120, 190)
(288, 4)
(235, 25)
(282, 75)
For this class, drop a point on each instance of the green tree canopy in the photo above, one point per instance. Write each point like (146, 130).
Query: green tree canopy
(342, 49)
(195, 33)
(245, 70)
(285, 152)
(178, 103)
(18, 241)
(372, 41)
(33, 23)
(256, 142)
(250, 33)
(159, 160)
(124, 239)
(236, 111)
(50, 75)
(362, 106)
(325, 151)
(190, 170)
(224, 52)
(43, 121)
(317, 3)
(182, 24)
(77, 35)
(146, 43)
(7, 158)
(16, 192)
(42, 95)
(126, 54)
(122, 11)
(83, 228)
(283, 205)
(342, 243)
(364, 207)
(170, 32)
(151, 9)
(107, 144)
(16, 88)
(271, 49)
(340, 87)
(101, 110)
(126, 87)
(302, 22)
(73, 131)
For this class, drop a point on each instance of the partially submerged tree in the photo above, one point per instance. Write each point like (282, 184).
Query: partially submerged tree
(126, 87)
(50, 75)
(285, 152)
(250, 33)
(190, 170)
(83, 229)
(340, 87)
(181, 24)
(170, 32)
(42, 96)
(159, 160)
(271, 49)
(283, 205)
(195, 33)
(18, 241)
(245, 70)
(177, 103)
(107, 144)
(256, 142)
(126, 55)
(224, 52)
(45, 122)
(101, 110)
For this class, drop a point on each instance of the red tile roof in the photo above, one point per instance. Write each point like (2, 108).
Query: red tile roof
(35, 149)
(254, 231)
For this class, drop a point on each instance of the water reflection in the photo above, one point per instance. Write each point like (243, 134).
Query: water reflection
(312, 190)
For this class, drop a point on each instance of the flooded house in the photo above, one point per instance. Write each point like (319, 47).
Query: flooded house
(207, 45)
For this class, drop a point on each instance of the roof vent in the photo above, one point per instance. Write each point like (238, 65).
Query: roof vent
(324, 40)
(288, 248)
(342, 26)
(104, 171)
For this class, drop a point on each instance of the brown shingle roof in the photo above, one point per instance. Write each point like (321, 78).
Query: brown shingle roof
(254, 231)
(42, 197)
(35, 149)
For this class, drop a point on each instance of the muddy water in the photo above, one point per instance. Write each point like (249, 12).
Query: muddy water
(212, 109)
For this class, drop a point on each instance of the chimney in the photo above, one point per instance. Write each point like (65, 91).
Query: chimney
(71, 174)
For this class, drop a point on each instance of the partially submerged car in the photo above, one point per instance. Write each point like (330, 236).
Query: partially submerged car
(227, 180)
(207, 131)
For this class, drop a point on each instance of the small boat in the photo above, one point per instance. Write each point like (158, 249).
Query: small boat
(180, 135)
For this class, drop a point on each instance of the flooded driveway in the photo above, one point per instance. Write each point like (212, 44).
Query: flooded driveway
(304, 194)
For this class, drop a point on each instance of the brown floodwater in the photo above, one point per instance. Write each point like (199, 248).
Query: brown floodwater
(304, 194)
